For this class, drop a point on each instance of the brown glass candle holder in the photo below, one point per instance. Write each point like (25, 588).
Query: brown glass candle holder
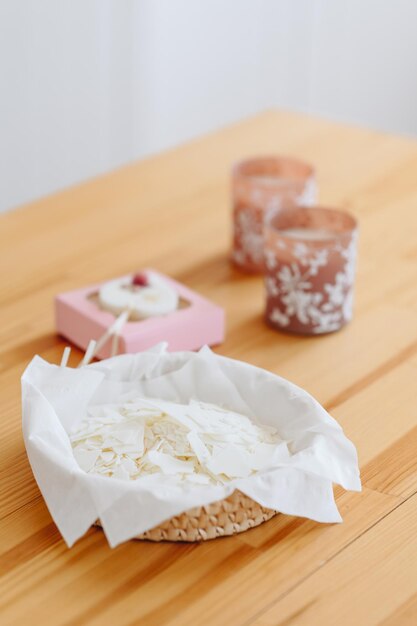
(309, 269)
(258, 186)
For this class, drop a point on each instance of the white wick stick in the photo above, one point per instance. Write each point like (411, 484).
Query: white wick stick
(120, 322)
(65, 356)
(89, 353)
(117, 329)
(113, 330)
(114, 344)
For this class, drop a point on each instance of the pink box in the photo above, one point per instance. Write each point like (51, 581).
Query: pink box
(196, 323)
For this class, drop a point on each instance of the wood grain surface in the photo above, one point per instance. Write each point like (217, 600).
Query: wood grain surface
(172, 212)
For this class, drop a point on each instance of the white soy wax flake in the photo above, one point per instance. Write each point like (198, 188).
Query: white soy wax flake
(128, 465)
(107, 457)
(170, 465)
(85, 458)
(121, 473)
(231, 461)
(84, 435)
(130, 433)
(199, 479)
(92, 443)
(198, 443)
(198, 447)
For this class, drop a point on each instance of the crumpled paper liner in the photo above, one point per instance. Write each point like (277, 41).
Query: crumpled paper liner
(55, 400)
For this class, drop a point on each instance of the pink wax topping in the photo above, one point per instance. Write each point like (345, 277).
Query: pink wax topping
(140, 280)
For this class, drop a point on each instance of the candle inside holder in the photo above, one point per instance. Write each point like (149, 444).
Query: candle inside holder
(309, 269)
(308, 234)
(260, 185)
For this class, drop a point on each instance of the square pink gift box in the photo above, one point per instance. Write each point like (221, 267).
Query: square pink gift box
(195, 323)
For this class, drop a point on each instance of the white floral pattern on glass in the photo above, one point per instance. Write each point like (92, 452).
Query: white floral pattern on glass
(259, 186)
(249, 232)
(292, 289)
(309, 194)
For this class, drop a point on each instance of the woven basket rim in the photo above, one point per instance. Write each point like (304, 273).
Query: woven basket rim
(232, 515)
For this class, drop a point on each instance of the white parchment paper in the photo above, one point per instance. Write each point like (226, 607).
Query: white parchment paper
(55, 400)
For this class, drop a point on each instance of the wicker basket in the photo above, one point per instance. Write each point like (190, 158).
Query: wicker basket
(232, 515)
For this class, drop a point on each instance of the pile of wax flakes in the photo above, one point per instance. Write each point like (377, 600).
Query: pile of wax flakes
(196, 443)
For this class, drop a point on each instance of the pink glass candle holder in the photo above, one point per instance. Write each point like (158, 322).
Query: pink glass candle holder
(259, 185)
(309, 269)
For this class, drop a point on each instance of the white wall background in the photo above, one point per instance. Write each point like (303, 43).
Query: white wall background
(87, 85)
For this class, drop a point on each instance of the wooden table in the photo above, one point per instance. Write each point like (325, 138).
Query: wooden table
(172, 212)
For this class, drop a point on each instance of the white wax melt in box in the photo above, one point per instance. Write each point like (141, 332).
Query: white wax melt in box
(195, 322)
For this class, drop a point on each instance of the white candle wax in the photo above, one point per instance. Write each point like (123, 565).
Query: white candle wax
(271, 180)
(309, 234)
